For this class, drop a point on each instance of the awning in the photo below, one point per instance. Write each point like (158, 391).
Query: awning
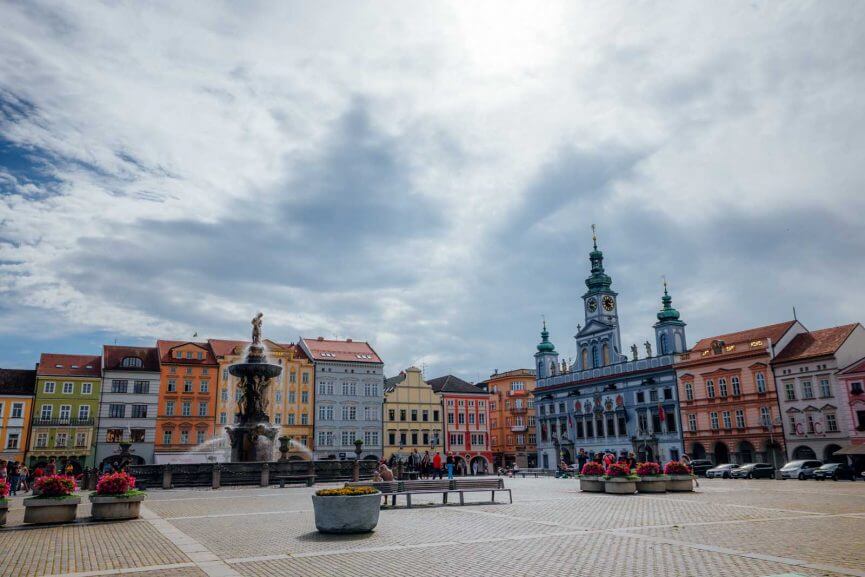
(852, 450)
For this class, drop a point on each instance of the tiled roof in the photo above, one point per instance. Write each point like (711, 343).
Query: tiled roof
(774, 332)
(112, 357)
(349, 351)
(17, 382)
(391, 383)
(55, 365)
(815, 344)
(223, 348)
(165, 356)
(853, 368)
(452, 384)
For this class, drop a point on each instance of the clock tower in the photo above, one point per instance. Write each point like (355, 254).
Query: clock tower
(599, 342)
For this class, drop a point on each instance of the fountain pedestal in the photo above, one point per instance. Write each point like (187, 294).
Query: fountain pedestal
(252, 442)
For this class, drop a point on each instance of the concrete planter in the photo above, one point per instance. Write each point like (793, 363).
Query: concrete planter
(109, 507)
(652, 484)
(592, 484)
(346, 514)
(4, 506)
(680, 483)
(618, 486)
(40, 511)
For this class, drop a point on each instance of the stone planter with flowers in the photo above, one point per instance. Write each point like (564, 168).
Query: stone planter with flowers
(618, 479)
(346, 510)
(652, 480)
(116, 498)
(592, 478)
(680, 477)
(55, 502)
(4, 504)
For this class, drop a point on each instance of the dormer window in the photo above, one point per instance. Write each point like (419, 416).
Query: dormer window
(131, 363)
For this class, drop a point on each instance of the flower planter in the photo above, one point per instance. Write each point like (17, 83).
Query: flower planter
(591, 484)
(112, 507)
(652, 484)
(620, 486)
(40, 510)
(680, 483)
(4, 506)
(346, 513)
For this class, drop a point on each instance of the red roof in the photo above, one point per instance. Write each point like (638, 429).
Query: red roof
(222, 348)
(166, 356)
(816, 343)
(854, 368)
(774, 332)
(112, 358)
(348, 350)
(56, 365)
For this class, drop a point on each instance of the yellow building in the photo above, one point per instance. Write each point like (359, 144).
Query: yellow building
(290, 401)
(17, 388)
(413, 415)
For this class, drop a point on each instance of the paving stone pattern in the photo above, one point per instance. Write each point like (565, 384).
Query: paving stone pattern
(728, 528)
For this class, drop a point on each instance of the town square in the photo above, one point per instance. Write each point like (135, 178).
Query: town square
(454, 288)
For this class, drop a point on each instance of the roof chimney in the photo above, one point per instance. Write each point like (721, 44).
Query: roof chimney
(319, 338)
(348, 340)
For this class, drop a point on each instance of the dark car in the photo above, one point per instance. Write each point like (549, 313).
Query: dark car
(834, 471)
(754, 471)
(700, 466)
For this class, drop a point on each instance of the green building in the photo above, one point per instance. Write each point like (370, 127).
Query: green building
(65, 409)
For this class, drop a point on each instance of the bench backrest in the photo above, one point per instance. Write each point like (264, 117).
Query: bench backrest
(486, 483)
(425, 485)
(383, 486)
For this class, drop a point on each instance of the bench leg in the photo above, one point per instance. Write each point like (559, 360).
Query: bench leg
(408, 500)
(494, 496)
(392, 500)
(510, 496)
(445, 498)
(462, 499)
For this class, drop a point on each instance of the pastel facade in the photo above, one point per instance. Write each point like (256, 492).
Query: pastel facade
(851, 389)
(129, 403)
(65, 406)
(606, 401)
(412, 415)
(187, 400)
(815, 411)
(729, 398)
(17, 388)
(513, 431)
(349, 391)
(290, 402)
(466, 422)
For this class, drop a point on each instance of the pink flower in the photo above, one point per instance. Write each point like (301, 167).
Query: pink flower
(648, 469)
(115, 484)
(54, 485)
(592, 469)
(676, 468)
(4, 489)
(618, 470)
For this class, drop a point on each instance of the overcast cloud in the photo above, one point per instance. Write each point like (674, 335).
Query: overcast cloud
(424, 176)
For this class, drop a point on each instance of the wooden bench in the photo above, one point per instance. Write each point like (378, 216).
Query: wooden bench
(282, 480)
(393, 489)
(533, 472)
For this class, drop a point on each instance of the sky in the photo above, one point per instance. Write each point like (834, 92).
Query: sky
(424, 176)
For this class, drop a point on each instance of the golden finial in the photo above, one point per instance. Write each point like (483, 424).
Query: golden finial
(663, 276)
(594, 237)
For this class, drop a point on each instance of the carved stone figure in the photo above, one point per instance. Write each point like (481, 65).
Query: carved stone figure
(648, 348)
(634, 352)
(256, 329)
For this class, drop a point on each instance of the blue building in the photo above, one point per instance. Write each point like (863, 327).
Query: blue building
(605, 400)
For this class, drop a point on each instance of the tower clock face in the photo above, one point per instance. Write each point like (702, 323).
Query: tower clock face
(592, 305)
(609, 303)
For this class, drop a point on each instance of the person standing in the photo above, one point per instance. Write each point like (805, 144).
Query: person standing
(425, 465)
(475, 468)
(450, 465)
(437, 465)
(14, 477)
(51, 467)
(582, 458)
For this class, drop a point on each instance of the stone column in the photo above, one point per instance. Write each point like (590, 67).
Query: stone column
(265, 474)
(166, 477)
(216, 476)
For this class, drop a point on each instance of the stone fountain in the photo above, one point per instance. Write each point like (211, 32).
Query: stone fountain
(252, 437)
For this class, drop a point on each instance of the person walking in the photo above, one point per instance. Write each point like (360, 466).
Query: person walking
(450, 465)
(24, 478)
(686, 460)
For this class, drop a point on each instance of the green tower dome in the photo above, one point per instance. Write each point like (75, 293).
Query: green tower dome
(545, 346)
(668, 313)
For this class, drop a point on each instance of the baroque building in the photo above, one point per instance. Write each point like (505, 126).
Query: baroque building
(513, 437)
(349, 390)
(466, 426)
(413, 416)
(17, 387)
(606, 401)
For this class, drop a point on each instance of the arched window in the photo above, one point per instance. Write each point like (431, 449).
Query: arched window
(585, 363)
(663, 342)
(132, 363)
(596, 357)
(606, 354)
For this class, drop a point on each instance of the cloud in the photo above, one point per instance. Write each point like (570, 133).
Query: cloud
(424, 177)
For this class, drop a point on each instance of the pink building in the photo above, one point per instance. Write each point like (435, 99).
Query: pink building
(852, 396)
(466, 427)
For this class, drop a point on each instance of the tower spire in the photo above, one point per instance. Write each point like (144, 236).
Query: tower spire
(594, 237)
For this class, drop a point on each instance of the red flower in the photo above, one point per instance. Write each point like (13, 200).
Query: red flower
(618, 470)
(676, 468)
(115, 484)
(648, 469)
(4, 489)
(592, 468)
(55, 485)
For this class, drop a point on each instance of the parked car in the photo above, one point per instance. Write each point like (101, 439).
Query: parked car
(700, 466)
(754, 471)
(799, 469)
(834, 471)
(723, 471)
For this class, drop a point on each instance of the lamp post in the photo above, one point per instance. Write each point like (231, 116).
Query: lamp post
(358, 447)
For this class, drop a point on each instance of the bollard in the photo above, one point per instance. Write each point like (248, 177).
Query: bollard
(166, 477)
(217, 477)
(265, 474)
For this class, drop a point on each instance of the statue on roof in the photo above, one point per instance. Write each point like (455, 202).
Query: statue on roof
(256, 329)
(648, 346)
(634, 352)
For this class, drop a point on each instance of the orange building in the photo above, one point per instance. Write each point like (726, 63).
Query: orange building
(290, 399)
(512, 418)
(728, 397)
(187, 399)
(17, 388)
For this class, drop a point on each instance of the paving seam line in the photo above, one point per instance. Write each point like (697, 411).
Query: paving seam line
(124, 570)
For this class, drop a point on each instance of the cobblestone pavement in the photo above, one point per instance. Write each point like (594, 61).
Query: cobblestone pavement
(728, 527)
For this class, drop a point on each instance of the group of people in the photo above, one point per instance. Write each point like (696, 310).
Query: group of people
(19, 477)
(605, 458)
(432, 465)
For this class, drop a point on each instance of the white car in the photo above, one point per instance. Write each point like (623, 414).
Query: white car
(799, 469)
(721, 471)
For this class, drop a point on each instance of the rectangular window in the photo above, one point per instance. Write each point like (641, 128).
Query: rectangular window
(45, 413)
(402, 414)
(86, 388)
(169, 408)
(141, 387)
(116, 411)
(670, 419)
(304, 397)
(471, 418)
(722, 387)
(737, 388)
(414, 414)
(49, 387)
(641, 397)
(713, 419)
(292, 378)
(790, 390)
(204, 387)
(765, 417)
(187, 386)
(831, 423)
(414, 437)
(692, 423)
(166, 437)
(304, 378)
(391, 415)
(223, 419)
(653, 396)
(67, 388)
(137, 435)
(740, 418)
(347, 438)
(435, 416)
(728, 424)
(809, 418)
(60, 439)
(807, 390)
(139, 411)
(65, 412)
(589, 429)
(83, 412)
(277, 419)
(482, 418)
(710, 389)
(186, 409)
(113, 435)
(12, 441)
(825, 388)
(41, 440)
(119, 386)
(184, 437)
(689, 391)
(199, 437)
(425, 415)
(202, 409)
(461, 418)
(17, 411)
(81, 439)
(761, 382)
(172, 385)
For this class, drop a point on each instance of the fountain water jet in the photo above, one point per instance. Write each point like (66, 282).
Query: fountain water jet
(252, 436)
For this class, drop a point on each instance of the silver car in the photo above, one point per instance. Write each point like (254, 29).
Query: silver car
(799, 469)
(721, 471)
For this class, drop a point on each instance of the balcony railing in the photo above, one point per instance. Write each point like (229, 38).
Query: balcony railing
(518, 428)
(63, 422)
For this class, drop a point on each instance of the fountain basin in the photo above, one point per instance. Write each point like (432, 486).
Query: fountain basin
(265, 370)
